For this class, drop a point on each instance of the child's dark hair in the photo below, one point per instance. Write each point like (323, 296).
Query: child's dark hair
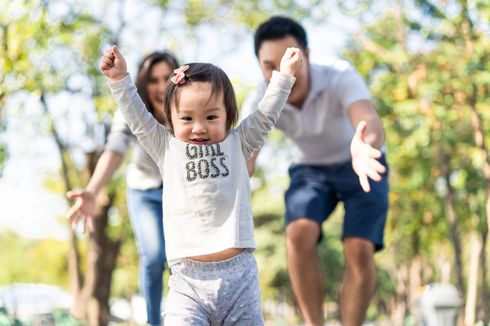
(206, 73)
(278, 27)
(144, 71)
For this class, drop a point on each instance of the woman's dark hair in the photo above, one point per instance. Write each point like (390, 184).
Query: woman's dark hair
(206, 73)
(278, 27)
(144, 70)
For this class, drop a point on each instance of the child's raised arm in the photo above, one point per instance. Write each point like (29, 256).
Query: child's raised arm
(151, 134)
(253, 130)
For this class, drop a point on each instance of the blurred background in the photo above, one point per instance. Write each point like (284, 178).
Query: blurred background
(427, 64)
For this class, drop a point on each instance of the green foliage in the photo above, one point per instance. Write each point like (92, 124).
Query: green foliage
(125, 276)
(41, 44)
(248, 13)
(3, 157)
(64, 318)
(33, 261)
(271, 247)
(426, 78)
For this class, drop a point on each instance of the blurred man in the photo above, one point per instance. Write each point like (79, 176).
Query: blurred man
(334, 164)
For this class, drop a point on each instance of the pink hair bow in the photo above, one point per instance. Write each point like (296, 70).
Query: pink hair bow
(179, 77)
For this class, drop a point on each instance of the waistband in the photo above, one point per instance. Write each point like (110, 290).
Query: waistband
(243, 256)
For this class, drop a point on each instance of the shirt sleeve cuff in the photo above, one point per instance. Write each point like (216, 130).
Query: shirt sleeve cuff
(123, 82)
(283, 79)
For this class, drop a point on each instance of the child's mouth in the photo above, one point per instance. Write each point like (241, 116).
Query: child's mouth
(199, 140)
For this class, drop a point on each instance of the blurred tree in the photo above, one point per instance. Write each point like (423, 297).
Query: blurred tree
(42, 52)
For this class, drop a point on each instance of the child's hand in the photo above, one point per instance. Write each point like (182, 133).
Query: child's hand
(113, 65)
(291, 61)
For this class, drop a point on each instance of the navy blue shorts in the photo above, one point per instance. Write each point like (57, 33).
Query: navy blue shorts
(315, 190)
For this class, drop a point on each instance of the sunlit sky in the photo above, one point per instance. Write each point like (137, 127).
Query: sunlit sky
(27, 207)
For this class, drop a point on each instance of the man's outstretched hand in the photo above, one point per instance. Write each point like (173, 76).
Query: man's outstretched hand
(365, 158)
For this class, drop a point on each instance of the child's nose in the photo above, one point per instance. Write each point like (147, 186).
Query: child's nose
(198, 128)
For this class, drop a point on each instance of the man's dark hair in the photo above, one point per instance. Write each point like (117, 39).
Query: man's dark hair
(278, 27)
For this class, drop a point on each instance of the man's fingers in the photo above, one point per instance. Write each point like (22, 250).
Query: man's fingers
(364, 183)
(373, 175)
(377, 166)
(373, 152)
(360, 129)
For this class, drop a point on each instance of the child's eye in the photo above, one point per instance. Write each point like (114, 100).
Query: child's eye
(211, 117)
(186, 118)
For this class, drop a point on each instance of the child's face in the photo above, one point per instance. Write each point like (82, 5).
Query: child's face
(199, 118)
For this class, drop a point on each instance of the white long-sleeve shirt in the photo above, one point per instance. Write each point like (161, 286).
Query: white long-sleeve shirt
(206, 202)
(143, 173)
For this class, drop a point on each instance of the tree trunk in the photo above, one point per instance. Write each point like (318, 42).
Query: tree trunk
(74, 267)
(449, 202)
(399, 304)
(471, 294)
(92, 301)
(479, 136)
(91, 295)
(483, 311)
(415, 273)
(101, 263)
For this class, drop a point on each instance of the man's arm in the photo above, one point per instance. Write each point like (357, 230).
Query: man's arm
(367, 141)
(364, 110)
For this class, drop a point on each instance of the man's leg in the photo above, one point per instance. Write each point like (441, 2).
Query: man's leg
(359, 280)
(304, 269)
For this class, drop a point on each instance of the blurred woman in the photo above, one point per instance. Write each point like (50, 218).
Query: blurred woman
(143, 180)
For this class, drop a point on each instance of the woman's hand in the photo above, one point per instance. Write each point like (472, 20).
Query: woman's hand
(84, 209)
